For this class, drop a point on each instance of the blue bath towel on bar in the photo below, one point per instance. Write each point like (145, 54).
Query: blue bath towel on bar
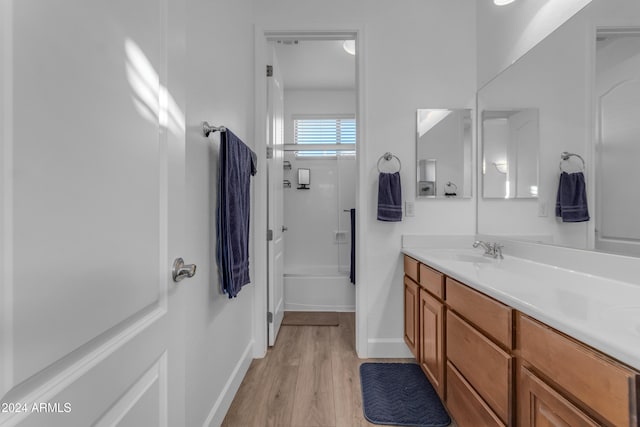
(571, 201)
(236, 166)
(389, 197)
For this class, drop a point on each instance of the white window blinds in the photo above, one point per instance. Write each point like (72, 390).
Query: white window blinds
(324, 131)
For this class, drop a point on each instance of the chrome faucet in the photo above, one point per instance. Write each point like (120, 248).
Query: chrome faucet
(493, 250)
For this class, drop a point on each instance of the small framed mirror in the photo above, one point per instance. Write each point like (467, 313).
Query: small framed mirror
(510, 146)
(304, 178)
(444, 154)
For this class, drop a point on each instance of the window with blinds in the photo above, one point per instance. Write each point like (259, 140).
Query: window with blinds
(322, 132)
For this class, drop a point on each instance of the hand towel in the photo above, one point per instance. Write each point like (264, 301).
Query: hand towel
(236, 166)
(389, 197)
(571, 201)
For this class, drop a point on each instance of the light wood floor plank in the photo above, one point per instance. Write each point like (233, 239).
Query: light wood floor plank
(311, 377)
(313, 405)
(249, 407)
(282, 396)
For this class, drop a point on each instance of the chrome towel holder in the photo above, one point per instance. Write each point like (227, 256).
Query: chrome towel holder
(388, 157)
(207, 128)
(565, 156)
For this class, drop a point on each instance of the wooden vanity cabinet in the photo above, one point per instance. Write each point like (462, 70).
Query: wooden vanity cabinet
(432, 340)
(478, 342)
(494, 366)
(411, 317)
(542, 406)
(411, 268)
(579, 382)
(424, 320)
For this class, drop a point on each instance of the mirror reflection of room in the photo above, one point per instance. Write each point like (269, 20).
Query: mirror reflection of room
(444, 153)
(587, 97)
(510, 153)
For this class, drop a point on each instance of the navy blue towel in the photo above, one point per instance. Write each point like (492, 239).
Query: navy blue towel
(389, 197)
(352, 271)
(237, 165)
(571, 201)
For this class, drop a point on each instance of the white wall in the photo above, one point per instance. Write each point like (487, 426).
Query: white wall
(220, 91)
(505, 33)
(407, 66)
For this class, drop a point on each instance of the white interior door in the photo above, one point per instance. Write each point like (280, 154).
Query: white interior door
(522, 151)
(617, 149)
(275, 250)
(92, 172)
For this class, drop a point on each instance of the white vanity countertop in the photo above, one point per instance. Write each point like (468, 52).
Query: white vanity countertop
(598, 311)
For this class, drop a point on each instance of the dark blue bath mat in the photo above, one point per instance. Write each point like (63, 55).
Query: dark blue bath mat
(399, 394)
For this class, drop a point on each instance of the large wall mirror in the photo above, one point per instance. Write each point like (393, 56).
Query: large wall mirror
(444, 139)
(583, 80)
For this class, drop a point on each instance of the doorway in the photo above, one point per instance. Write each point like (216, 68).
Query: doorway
(307, 256)
(617, 90)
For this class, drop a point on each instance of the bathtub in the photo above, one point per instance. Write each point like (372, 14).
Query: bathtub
(318, 288)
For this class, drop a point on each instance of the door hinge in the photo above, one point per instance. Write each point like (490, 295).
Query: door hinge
(270, 317)
(269, 153)
(269, 70)
(269, 235)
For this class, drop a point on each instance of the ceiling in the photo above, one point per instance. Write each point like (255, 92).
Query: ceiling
(315, 64)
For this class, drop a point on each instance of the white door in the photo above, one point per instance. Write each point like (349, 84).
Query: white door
(617, 148)
(275, 247)
(522, 148)
(91, 177)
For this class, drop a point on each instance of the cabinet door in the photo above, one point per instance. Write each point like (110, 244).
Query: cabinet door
(431, 340)
(541, 406)
(411, 296)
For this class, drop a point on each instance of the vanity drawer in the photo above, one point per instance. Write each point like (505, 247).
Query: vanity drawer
(411, 268)
(599, 383)
(483, 364)
(466, 406)
(492, 317)
(432, 281)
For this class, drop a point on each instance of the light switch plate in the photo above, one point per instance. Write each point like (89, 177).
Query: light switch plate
(542, 208)
(409, 208)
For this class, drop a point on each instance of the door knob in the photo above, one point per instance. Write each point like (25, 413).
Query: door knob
(284, 228)
(181, 270)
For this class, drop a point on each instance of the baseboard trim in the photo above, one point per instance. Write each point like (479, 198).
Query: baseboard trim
(387, 348)
(222, 404)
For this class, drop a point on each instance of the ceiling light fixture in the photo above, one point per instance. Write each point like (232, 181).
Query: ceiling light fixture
(349, 46)
(502, 2)
(501, 167)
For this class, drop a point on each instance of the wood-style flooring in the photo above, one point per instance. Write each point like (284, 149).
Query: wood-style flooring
(311, 318)
(309, 378)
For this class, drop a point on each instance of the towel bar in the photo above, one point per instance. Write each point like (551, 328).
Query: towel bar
(207, 129)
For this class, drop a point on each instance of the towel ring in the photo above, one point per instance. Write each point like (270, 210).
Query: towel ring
(388, 156)
(565, 156)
